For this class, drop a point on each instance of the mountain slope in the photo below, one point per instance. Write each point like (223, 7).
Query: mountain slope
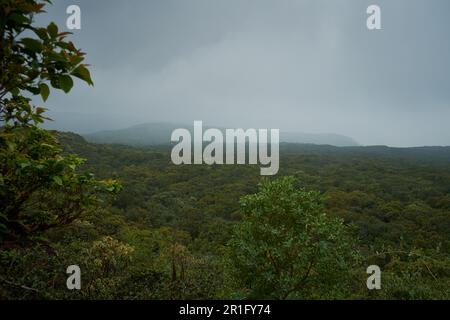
(159, 134)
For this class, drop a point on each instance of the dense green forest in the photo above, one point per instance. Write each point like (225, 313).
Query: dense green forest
(140, 227)
(171, 233)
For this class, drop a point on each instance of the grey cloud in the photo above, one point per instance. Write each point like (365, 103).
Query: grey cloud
(308, 66)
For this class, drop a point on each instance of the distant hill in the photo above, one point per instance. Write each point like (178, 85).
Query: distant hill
(331, 139)
(431, 154)
(427, 155)
(140, 135)
(159, 134)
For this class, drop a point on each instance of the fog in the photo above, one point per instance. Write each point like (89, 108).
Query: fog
(302, 66)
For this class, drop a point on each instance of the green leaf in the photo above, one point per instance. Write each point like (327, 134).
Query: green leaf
(32, 44)
(15, 92)
(66, 83)
(34, 90)
(24, 165)
(45, 91)
(19, 18)
(55, 56)
(46, 145)
(58, 180)
(40, 110)
(37, 119)
(55, 83)
(11, 145)
(41, 33)
(83, 73)
(75, 60)
(52, 30)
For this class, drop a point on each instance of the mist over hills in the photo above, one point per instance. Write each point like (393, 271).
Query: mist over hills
(149, 134)
(435, 155)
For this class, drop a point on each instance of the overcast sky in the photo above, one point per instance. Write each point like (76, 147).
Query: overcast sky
(298, 65)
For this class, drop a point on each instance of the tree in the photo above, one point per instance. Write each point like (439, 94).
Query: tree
(287, 247)
(40, 188)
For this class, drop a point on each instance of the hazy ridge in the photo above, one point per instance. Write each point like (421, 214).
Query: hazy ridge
(159, 134)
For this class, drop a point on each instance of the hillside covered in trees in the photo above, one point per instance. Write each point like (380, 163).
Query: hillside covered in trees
(173, 232)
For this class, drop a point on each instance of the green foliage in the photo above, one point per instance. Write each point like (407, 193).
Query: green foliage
(42, 56)
(287, 247)
(404, 231)
(39, 187)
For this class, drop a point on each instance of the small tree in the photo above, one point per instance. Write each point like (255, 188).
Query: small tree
(287, 247)
(39, 187)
